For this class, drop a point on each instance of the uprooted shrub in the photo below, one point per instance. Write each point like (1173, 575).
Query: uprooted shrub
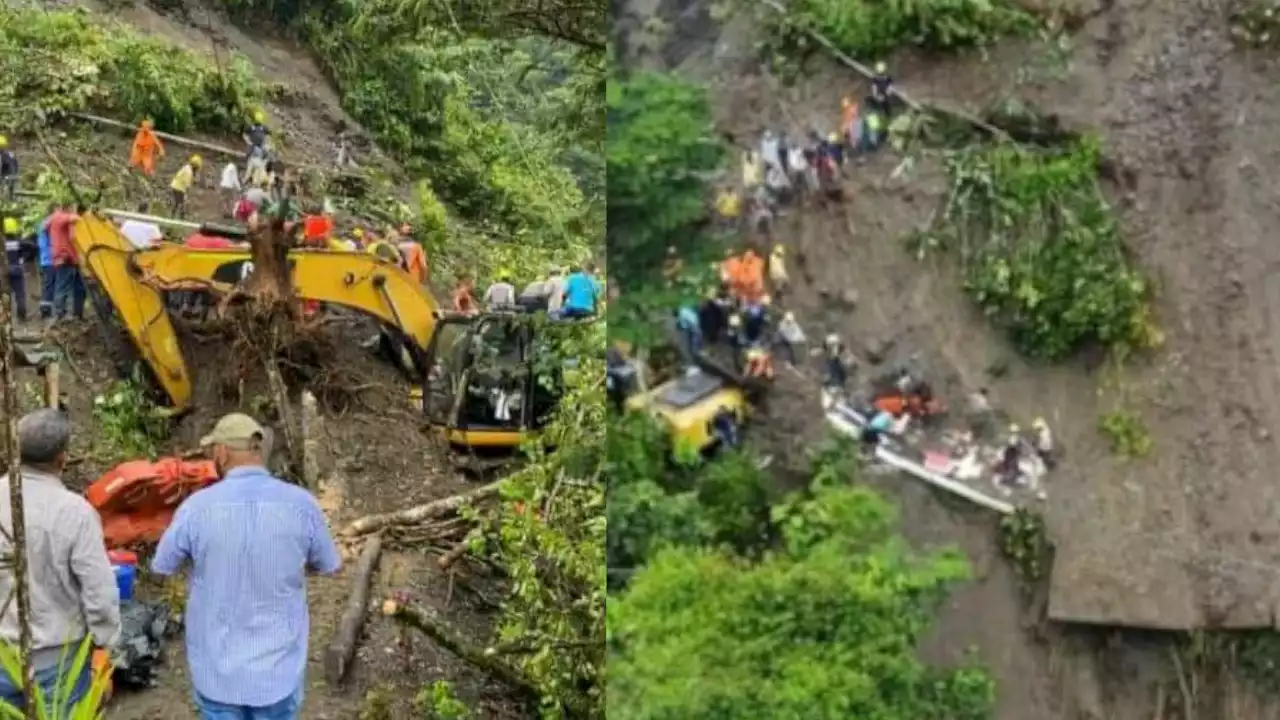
(871, 29)
(1041, 251)
(68, 60)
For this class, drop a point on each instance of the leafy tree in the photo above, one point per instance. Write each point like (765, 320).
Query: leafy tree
(825, 627)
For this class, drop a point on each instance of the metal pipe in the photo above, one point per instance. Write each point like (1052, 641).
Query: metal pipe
(843, 425)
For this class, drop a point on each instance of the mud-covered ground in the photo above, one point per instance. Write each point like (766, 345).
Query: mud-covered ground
(1180, 539)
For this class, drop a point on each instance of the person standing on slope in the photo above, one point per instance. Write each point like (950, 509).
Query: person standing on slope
(250, 540)
(181, 185)
(8, 169)
(146, 148)
(256, 136)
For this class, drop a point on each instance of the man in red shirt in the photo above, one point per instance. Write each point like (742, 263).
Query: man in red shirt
(68, 285)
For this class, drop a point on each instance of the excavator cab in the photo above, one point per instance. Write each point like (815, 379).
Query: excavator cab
(480, 381)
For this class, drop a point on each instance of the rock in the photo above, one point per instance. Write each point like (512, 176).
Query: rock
(878, 349)
(849, 298)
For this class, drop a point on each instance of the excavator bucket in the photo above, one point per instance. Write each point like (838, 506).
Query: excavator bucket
(137, 499)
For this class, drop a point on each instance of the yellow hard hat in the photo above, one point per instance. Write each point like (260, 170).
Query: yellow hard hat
(1039, 424)
(10, 226)
(735, 320)
(259, 117)
(357, 233)
(779, 249)
(4, 141)
(833, 137)
(196, 160)
(881, 68)
(788, 316)
(1014, 429)
(766, 300)
(755, 353)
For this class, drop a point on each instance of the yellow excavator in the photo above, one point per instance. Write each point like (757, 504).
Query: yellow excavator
(477, 374)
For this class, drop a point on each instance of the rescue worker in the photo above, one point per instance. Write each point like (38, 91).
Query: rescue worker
(181, 185)
(848, 119)
(834, 376)
(8, 169)
(759, 364)
(256, 136)
(316, 229)
(754, 317)
(48, 278)
(752, 276)
(778, 278)
(69, 288)
(16, 252)
(836, 149)
(463, 299)
(229, 187)
(872, 131)
(724, 426)
(729, 207)
(731, 271)
(533, 297)
(1044, 442)
(146, 148)
(980, 414)
(415, 258)
(713, 316)
(769, 150)
(1009, 469)
(501, 295)
(581, 293)
(800, 172)
(789, 336)
(752, 170)
(881, 87)
(555, 290)
(878, 425)
(690, 331)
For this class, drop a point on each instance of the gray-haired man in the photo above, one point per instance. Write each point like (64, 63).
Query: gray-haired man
(73, 589)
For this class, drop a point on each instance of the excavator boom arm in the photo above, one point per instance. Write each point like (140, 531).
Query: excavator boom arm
(134, 280)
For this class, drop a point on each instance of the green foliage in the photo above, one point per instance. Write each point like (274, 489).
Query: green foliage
(67, 60)
(1024, 541)
(48, 708)
(870, 29)
(826, 627)
(438, 702)
(130, 426)
(1256, 23)
(1258, 658)
(660, 146)
(654, 502)
(1126, 432)
(550, 538)
(1041, 249)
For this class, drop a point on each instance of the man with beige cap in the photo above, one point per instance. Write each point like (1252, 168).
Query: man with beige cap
(251, 539)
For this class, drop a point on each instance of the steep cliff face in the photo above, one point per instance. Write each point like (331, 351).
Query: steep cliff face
(1181, 539)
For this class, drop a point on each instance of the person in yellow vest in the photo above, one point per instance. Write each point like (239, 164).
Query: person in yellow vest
(752, 170)
(181, 184)
(729, 208)
(778, 277)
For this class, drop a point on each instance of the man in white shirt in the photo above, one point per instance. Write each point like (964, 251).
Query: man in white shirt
(554, 288)
(141, 234)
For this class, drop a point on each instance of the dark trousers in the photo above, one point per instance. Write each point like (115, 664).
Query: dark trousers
(47, 284)
(68, 288)
(179, 205)
(18, 286)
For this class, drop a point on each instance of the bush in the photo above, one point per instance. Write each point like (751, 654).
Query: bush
(1041, 250)
(130, 427)
(65, 61)
(871, 29)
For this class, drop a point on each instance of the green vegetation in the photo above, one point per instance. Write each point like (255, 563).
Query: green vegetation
(823, 625)
(1256, 23)
(1126, 432)
(1025, 543)
(129, 425)
(660, 150)
(90, 708)
(1041, 250)
(68, 60)
(871, 29)
(438, 702)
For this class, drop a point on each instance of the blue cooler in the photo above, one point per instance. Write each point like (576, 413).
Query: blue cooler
(125, 575)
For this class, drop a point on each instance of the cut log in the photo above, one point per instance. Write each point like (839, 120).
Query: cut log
(431, 624)
(337, 657)
(420, 513)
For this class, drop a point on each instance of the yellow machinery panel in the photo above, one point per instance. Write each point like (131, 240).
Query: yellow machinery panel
(105, 256)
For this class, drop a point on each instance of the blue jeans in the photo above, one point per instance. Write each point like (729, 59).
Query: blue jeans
(68, 288)
(47, 681)
(286, 709)
(47, 284)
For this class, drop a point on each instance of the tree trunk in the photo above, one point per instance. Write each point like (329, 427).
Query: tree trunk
(337, 657)
(17, 562)
(420, 513)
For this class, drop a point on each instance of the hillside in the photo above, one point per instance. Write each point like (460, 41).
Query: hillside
(200, 70)
(1174, 540)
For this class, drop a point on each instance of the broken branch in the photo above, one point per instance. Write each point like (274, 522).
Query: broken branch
(420, 513)
(337, 657)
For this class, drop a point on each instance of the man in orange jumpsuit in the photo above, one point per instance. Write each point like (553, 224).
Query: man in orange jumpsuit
(752, 276)
(146, 148)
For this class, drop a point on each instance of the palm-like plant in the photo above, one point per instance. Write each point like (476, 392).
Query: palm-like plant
(58, 707)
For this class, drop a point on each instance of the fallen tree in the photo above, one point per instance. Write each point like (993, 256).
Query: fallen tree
(434, 510)
(342, 648)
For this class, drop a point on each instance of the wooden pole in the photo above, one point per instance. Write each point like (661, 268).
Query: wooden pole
(188, 142)
(337, 657)
(126, 215)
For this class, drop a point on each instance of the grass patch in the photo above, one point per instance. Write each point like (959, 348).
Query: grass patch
(69, 60)
(1040, 248)
(130, 426)
(870, 29)
(1256, 23)
(1025, 542)
(1126, 433)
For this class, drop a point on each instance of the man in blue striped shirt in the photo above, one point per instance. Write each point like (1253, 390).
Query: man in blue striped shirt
(251, 539)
